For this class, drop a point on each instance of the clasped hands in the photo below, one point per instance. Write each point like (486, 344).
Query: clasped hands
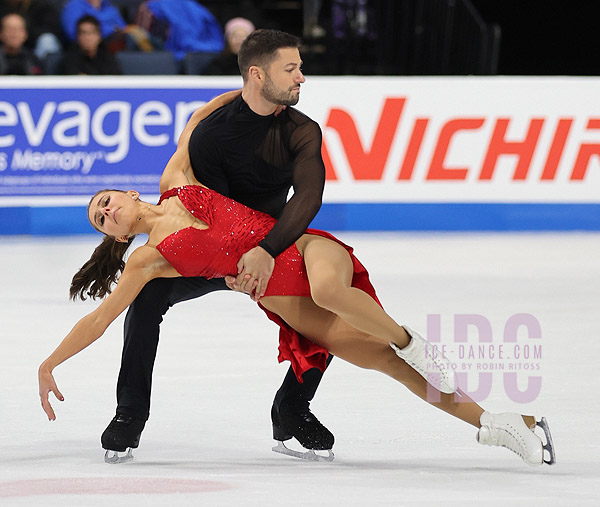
(255, 268)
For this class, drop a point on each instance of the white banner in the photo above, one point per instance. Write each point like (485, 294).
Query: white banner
(458, 139)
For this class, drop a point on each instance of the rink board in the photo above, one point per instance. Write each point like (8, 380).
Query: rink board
(58, 220)
(468, 153)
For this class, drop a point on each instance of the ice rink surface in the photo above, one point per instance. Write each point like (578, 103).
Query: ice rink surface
(208, 439)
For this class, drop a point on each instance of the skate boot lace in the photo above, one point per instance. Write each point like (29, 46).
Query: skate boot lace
(441, 366)
(429, 363)
(516, 436)
(120, 422)
(509, 438)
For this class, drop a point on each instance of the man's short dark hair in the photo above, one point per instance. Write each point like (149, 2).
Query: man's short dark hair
(260, 48)
(88, 18)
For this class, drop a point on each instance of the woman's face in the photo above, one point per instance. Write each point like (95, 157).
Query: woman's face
(114, 212)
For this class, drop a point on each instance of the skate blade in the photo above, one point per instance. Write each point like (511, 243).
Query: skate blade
(113, 457)
(309, 455)
(549, 445)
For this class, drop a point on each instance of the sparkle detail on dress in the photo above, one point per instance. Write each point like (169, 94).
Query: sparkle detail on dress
(233, 229)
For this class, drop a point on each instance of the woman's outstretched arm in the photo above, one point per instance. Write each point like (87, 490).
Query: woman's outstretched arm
(143, 265)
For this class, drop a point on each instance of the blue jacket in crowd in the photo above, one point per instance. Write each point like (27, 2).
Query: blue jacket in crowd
(108, 15)
(191, 27)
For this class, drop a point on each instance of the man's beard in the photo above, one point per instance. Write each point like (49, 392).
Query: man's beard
(277, 96)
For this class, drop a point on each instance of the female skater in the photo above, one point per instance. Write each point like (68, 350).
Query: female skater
(319, 294)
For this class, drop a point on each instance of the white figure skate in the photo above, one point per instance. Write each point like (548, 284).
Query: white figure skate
(429, 362)
(510, 431)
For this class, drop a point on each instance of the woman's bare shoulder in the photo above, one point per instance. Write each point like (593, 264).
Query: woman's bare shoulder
(145, 256)
(149, 262)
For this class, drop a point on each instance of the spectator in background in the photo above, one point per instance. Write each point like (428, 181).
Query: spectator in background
(310, 16)
(184, 25)
(88, 56)
(43, 21)
(226, 64)
(107, 15)
(14, 57)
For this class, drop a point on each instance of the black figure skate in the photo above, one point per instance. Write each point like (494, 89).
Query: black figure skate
(121, 436)
(300, 423)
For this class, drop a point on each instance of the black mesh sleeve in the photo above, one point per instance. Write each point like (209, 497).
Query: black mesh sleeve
(308, 184)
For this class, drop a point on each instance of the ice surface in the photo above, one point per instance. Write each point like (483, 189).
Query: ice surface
(208, 440)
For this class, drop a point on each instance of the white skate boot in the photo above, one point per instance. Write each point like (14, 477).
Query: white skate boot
(429, 362)
(510, 431)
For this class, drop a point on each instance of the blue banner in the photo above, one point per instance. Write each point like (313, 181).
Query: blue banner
(75, 141)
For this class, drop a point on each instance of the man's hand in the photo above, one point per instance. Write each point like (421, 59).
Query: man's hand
(47, 385)
(255, 268)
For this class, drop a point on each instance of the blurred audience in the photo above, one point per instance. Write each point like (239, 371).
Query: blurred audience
(184, 25)
(15, 58)
(226, 64)
(311, 10)
(107, 15)
(43, 22)
(88, 56)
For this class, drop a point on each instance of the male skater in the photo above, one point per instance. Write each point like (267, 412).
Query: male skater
(244, 151)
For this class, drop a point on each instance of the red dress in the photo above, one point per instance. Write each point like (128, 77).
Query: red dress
(233, 229)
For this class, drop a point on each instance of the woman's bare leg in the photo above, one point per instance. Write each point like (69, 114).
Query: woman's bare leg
(366, 351)
(329, 269)
(342, 320)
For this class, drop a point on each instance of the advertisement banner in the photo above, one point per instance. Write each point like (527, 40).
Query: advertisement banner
(458, 139)
(58, 141)
(436, 152)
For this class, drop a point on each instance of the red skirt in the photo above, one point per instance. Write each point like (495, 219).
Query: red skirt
(290, 279)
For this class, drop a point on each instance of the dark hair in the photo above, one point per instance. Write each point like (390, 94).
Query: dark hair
(260, 49)
(96, 277)
(88, 18)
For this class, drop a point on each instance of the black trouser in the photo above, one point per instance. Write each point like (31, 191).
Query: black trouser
(141, 342)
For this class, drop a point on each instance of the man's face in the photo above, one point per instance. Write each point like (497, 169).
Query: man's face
(13, 33)
(283, 78)
(88, 37)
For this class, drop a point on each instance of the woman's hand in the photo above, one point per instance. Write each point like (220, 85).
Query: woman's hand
(255, 268)
(47, 385)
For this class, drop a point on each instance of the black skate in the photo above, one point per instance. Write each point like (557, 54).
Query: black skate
(122, 435)
(301, 424)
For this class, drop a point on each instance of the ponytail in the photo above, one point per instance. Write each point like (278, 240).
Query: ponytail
(96, 276)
